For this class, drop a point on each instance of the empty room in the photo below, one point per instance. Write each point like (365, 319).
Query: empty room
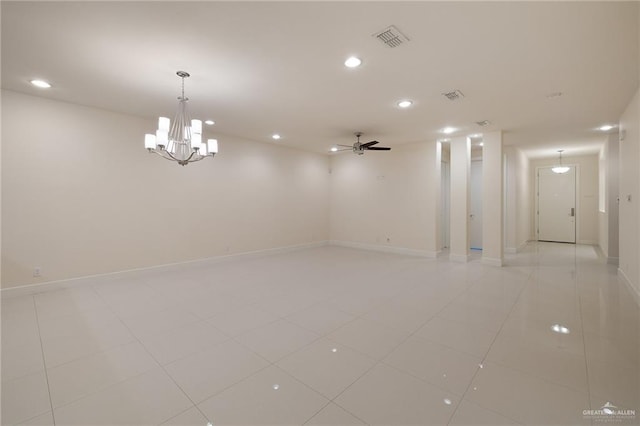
(320, 213)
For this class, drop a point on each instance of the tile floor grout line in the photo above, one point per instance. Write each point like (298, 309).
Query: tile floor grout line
(152, 357)
(484, 358)
(44, 361)
(584, 343)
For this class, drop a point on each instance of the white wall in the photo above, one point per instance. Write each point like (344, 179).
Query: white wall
(608, 199)
(586, 196)
(81, 196)
(388, 199)
(629, 236)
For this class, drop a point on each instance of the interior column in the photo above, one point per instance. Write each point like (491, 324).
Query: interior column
(459, 204)
(492, 209)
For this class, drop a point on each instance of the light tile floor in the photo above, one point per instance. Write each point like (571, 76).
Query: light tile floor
(330, 336)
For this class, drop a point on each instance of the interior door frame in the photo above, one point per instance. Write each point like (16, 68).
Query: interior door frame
(537, 195)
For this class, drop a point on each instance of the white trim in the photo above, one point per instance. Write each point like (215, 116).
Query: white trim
(28, 289)
(492, 261)
(384, 249)
(613, 261)
(459, 257)
(635, 293)
(518, 249)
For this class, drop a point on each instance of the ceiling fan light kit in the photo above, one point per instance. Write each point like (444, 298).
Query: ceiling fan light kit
(359, 148)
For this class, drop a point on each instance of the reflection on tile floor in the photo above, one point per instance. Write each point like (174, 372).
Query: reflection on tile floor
(330, 336)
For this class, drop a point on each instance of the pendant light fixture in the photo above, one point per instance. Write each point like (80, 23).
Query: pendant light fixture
(180, 141)
(560, 168)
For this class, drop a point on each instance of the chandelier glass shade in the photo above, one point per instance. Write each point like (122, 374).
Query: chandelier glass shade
(560, 168)
(180, 140)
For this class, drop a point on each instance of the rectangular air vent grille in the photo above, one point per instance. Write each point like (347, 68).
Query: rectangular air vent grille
(454, 95)
(483, 123)
(391, 36)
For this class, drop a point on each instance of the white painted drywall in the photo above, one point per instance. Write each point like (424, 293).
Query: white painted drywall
(388, 199)
(81, 195)
(629, 233)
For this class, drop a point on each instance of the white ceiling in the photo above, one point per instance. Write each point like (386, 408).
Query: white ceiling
(264, 67)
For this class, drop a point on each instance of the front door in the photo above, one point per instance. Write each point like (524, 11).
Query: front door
(557, 205)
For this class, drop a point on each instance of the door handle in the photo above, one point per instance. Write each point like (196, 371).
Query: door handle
(573, 212)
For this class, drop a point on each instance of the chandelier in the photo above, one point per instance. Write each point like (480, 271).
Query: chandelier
(560, 168)
(180, 141)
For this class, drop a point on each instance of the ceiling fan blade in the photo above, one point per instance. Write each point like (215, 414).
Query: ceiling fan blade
(378, 148)
(365, 145)
(346, 146)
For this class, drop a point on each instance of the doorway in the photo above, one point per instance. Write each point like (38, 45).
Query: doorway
(556, 205)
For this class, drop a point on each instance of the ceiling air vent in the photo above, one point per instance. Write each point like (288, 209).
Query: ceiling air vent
(454, 95)
(483, 123)
(391, 36)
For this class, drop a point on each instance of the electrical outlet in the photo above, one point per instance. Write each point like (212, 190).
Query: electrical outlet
(37, 271)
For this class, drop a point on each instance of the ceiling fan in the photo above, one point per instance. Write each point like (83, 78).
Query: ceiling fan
(359, 148)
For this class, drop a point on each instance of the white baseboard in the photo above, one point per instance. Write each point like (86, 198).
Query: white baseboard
(634, 292)
(492, 261)
(459, 257)
(613, 261)
(385, 249)
(30, 289)
(588, 242)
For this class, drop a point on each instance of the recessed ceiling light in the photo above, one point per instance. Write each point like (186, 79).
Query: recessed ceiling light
(560, 329)
(333, 149)
(352, 62)
(41, 84)
(209, 122)
(448, 130)
(276, 386)
(447, 401)
(606, 127)
(275, 136)
(476, 135)
(405, 103)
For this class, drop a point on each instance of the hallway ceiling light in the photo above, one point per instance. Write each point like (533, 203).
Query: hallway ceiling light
(180, 141)
(448, 130)
(606, 127)
(209, 122)
(352, 62)
(41, 84)
(275, 136)
(405, 103)
(560, 329)
(560, 168)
